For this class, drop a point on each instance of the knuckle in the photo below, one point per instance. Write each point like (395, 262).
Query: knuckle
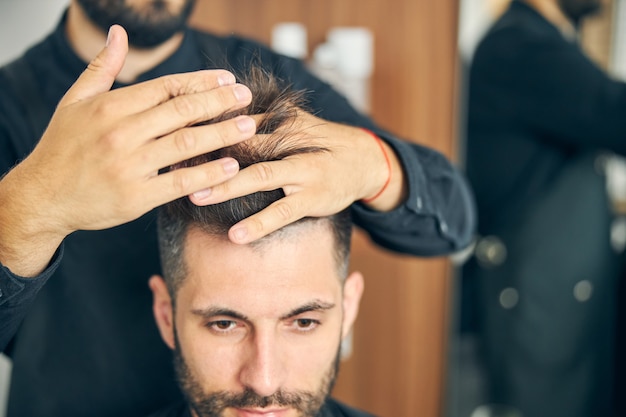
(181, 182)
(172, 85)
(112, 140)
(283, 210)
(96, 64)
(147, 159)
(185, 141)
(184, 106)
(222, 135)
(263, 172)
(104, 109)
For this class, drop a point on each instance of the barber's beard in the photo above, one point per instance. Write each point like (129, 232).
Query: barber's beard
(147, 26)
(308, 404)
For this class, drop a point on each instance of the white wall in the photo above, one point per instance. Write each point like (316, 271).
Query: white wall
(23, 22)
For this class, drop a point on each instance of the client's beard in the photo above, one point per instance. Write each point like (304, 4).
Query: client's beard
(307, 403)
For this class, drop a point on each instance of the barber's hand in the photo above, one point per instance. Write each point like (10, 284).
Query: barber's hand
(97, 163)
(315, 184)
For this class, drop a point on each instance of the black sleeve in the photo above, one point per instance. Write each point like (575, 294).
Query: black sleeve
(560, 94)
(16, 296)
(16, 141)
(437, 218)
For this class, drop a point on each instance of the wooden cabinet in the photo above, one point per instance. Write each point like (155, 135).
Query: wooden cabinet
(398, 364)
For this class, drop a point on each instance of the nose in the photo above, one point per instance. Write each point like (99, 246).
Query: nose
(264, 370)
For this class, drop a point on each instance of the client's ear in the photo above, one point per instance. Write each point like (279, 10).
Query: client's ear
(162, 309)
(352, 292)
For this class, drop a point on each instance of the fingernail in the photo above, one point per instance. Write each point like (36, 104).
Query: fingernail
(226, 79)
(242, 93)
(240, 233)
(108, 37)
(230, 166)
(202, 194)
(245, 124)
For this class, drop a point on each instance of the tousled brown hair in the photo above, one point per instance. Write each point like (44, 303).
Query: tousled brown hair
(280, 137)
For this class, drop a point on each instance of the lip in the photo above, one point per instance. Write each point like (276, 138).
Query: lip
(273, 412)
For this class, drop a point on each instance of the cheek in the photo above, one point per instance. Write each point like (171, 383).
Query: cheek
(309, 360)
(214, 365)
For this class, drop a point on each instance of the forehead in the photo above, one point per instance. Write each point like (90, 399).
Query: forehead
(290, 268)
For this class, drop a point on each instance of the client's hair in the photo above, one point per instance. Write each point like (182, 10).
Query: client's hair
(280, 137)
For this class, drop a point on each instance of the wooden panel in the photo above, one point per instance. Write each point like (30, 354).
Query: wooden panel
(398, 361)
(399, 343)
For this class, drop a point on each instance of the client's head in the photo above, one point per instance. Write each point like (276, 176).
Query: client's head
(255, 327)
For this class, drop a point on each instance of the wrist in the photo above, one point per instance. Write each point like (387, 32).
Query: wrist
(382, 189)
(27, 241)
(391, 189)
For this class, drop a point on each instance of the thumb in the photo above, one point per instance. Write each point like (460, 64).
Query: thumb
(102, 70)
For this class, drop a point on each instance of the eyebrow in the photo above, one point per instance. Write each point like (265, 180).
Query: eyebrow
(211, 312)
(316, 305)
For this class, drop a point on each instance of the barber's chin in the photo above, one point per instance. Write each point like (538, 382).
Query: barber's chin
(268, 412)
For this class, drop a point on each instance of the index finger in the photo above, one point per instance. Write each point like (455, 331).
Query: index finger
(148, 94)
(278, 214)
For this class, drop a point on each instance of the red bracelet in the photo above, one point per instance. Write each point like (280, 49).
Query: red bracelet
(382, 148)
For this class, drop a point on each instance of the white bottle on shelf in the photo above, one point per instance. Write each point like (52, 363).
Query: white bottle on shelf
(346, 61)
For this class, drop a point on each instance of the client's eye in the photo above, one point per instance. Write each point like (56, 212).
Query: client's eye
(306, 324)
(222, 325)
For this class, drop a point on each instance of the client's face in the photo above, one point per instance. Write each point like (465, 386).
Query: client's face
(257, 330)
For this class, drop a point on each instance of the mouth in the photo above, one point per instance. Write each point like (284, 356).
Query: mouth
(269, 412)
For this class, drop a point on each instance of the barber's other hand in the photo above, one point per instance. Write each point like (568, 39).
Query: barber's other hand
(315, 184)
(97, 163)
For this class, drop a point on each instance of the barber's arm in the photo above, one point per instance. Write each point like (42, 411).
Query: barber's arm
(437, 215)
(17, 295)
(408, 197)
(426, 209)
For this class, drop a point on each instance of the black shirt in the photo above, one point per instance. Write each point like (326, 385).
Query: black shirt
(535, 101)
(88, 345)
(539, 112)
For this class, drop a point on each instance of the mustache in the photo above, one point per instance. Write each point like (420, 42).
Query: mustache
(300, 401)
